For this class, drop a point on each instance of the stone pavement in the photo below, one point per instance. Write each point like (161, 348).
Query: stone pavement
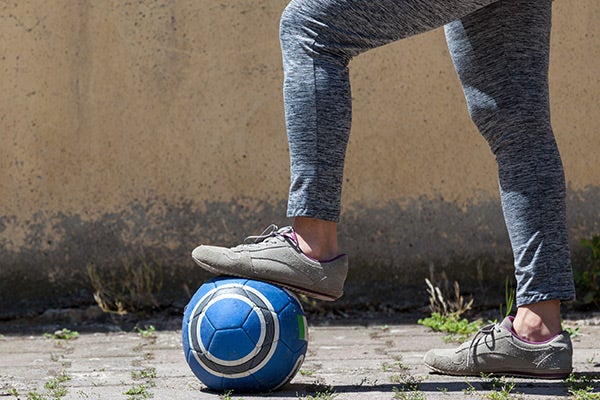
(359, 361)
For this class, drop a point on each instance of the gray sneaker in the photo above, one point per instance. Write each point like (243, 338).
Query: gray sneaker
(274, 256)
(497, 349)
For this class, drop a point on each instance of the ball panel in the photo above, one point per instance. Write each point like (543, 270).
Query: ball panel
(278, 297)
(247, 384)
(227, 312)
(293, 371)
(210, 380)
(281, 368)
(205, 334)
(254, 326)
(231, 345)
(293, 328)
(200, 293)
(228, 280)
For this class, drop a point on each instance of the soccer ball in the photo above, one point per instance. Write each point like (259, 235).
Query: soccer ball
(244, 335)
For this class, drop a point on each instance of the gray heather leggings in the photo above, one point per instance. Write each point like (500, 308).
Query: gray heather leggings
(500, 51)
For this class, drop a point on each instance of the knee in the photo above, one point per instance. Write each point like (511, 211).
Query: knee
(483, 108)
(498, 123)
(291, 25)
(307, 29)
(506, 125)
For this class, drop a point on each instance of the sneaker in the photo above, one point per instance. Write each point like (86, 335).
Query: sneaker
(497, 349)
(274, 256)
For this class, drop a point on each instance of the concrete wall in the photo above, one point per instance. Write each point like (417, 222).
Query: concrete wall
(133, 131)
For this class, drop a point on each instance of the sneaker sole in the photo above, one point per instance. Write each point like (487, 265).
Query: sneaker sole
(316, 295)
(516, 374)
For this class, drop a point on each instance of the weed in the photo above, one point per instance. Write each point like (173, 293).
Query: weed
(366, 381)
(470, 389)
(55, 389)
(62, 377)
(13, 392)
(412, 382)
(226, 395)
(409, 382)
(401, 366)
(587, 279)
(407, 395)
(323, 393)
(491, 381)
(146, 332)
(55, 385)
(63, 334)
(590, 360)
(116, 307)
(451, 324)
(503, 394)
(499, 387)
(584, 394)
(443, 306)
(34, 395)
(305, 372)
(573, 332)
(446, 314)
(509, 299)
(147, 373)
(328, 394)
(138, 392)
(397, 366)
(127, 289)
(582, 388)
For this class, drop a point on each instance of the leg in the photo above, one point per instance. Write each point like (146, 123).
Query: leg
(501, 56)
(317, 238)
(538, 321)
(318, 40)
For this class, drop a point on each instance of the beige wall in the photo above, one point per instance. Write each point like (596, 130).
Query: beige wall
(150, 126)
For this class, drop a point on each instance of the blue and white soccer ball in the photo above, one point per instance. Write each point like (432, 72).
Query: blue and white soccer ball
(244, 335)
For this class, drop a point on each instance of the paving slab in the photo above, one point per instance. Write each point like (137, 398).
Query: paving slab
(360, 361)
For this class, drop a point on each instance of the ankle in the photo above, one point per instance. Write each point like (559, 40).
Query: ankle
(538, 322)
(316, 238)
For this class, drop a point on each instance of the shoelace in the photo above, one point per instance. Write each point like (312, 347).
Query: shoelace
(271, 231)
(485, 331)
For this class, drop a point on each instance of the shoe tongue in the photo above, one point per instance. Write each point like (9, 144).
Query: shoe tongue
(507, 323)
(289, 232)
